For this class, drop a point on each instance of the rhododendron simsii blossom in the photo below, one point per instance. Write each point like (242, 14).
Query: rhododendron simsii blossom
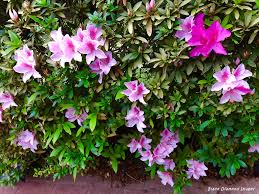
(1, 114)
(72, 116)
(150, 5)
(206, 40)
(145, 142)
(135, 92)
(196, 169)
(7, 100)
(186, 28)
(26, 140)
(13, 15)
(136, 117)
(169, 164)
(254, 148)
(134, 145)
(25, 63)
(166, 178)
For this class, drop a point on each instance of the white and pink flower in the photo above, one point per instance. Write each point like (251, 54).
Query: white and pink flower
(166, 178)
(134, 145)
(196, 169)
(254, 148)
(186, 28)
(27, 140)
(72, 116)
(136, 117)
(7, 100)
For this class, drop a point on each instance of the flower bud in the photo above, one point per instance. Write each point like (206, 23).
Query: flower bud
(13, 15)
(150, 6)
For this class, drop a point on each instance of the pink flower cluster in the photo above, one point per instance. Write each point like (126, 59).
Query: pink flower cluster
(136, 117)
(72, 116)
(26, 140)
(166, 146)
(196, 169)
(254, 148)
(232, 84)
(7, 101)
(88, 42)
(205, 40)
(25, 63)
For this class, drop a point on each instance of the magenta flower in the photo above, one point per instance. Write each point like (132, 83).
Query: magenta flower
(196, 169)
(103, 66)
(207, 40)
(27, 139)
(1, 114)
(134, 145)
(254, 148)
(240, 72)
(150, 5)
(72, 116)
(64, 48)
(225, 79)
(93, 32)
(13, 15)
(135, 92)
(146, 156)
(166, 178)
(159, 154)
(7, 100)
(25, 63)
(136, 117)
(169, 164)
(145, 142)
(186, 29)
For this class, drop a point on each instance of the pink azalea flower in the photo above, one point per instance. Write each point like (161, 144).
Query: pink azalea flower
(237, 61)
(136, 117)
(169, 140)
(186, 29)
(13, 15)
(90, 48)
(103, 66)
(7, 100)
(169, 164)
(150, 5)
(93, 32)
(145, 142)
(166, 178)
(134, 145)
(1, 114)
(72, 116)
(235, 94)
(209, 39)
(254, 148)
(196, 169)
(27, 140)
(135, 92)
(64, 48)
(159, 154)
(25, 63)
(146, 156)
(225, 79)
(240, 72)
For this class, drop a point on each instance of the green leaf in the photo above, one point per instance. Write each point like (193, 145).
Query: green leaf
(57, 134)
(93, 119)
(80, 146)
(14, 38)
(80, 130)
(67, 128)
(257, 3)
(119, 95)
(74, 174)
(56, 151)
(204, 125)
(115, 165)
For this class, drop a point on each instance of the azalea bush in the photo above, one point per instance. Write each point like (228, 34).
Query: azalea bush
(171, 83)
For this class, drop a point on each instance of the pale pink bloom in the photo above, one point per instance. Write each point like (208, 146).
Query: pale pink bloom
(237, 61)
(1, 114)
(225, 79)
(240, 72)
(90, 48)
(159, 154)
(169, 140)
(145, 142)
(93, 32)
(169, 164)
(235, 94)
(27, 139)
(146, 156)
(103, 66)
(166, 178)
(134, 145)
(136, 117)
(209, 39)
(64, 48)
(135, 92)
(150, 5)
(186, 28)
(72, 116)
(25, 63)
(7, 100)
(254, 148)
(13, 15)
(196, 169)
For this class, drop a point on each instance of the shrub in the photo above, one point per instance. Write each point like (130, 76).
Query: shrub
(145, 70)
